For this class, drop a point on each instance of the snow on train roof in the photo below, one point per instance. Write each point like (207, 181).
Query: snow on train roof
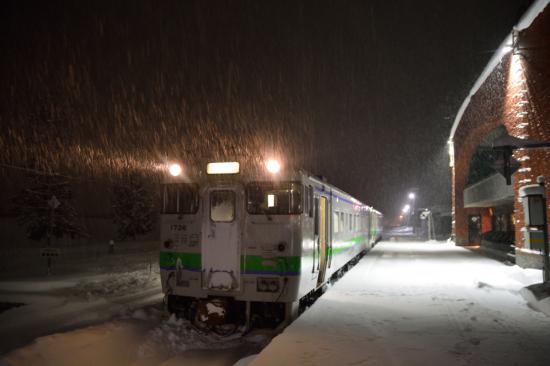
(526, 20)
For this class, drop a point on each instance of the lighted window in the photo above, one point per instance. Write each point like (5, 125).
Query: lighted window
(271, 200)
(281, 198)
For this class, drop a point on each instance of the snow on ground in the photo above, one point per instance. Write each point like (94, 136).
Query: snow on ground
(144, 337)
(107, 319)
(402, 304)
(416, 304)
(57, 303)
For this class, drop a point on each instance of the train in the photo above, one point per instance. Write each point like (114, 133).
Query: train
(248, 249)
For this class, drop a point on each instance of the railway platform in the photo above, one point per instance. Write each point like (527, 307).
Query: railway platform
(411, 303)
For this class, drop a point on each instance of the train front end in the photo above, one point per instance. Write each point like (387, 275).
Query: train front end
(230, 246)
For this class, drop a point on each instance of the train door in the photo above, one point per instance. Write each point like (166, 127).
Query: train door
(323, 211)
(221, 239)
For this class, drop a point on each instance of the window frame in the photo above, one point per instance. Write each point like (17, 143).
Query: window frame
(260, 183)
(178, 195)
(234, 194)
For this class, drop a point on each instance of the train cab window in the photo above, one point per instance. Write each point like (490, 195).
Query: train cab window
(307, 203)
(274, 198)
(180, 198)
(222, 206)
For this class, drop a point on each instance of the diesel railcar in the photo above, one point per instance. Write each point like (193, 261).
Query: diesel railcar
(236, 249)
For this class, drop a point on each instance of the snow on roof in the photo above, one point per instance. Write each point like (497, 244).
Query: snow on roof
(526, 20)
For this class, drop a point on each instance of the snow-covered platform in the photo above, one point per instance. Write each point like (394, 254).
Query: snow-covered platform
(418, 304)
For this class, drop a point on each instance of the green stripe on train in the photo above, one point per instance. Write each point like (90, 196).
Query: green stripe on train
(248, 262)
(348, 244)
(188, 260)
(252, 262)
(275, 264)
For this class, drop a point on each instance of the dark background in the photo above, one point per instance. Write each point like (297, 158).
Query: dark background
(362, 92)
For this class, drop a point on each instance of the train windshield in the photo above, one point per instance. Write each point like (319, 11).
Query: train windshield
(180, 198)
(274, 198)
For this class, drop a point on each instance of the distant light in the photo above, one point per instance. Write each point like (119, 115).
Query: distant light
(175, 170)
(406, 208)
(412, 196)
(273, 166)
(232, 167)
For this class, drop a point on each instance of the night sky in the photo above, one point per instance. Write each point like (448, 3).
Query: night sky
(362, 92)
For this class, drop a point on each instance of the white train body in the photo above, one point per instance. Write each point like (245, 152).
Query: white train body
(270, 241)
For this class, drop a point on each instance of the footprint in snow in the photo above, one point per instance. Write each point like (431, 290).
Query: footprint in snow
(475, 341)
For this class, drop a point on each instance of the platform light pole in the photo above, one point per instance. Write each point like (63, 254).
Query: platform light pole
(412, 199)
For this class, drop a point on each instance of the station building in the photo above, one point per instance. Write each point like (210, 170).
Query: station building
(510, 98)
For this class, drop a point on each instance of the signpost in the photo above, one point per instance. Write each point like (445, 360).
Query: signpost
(49, 253)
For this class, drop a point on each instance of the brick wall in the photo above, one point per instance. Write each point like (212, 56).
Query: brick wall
(517, 96)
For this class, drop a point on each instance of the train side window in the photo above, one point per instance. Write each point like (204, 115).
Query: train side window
(335, 227)
(222, 206)
(310, 199)
(342, 224)
(305, 199)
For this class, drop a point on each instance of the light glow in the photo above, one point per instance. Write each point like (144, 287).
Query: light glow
(273, 166)
(412, 196)
(270, 200)
(175, 170)
(451, 146)
(407, 208)
(506, 49)
(231, 167)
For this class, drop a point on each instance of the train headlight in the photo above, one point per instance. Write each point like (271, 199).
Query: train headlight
(273, 166)
(175, 170)
(264, 284)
